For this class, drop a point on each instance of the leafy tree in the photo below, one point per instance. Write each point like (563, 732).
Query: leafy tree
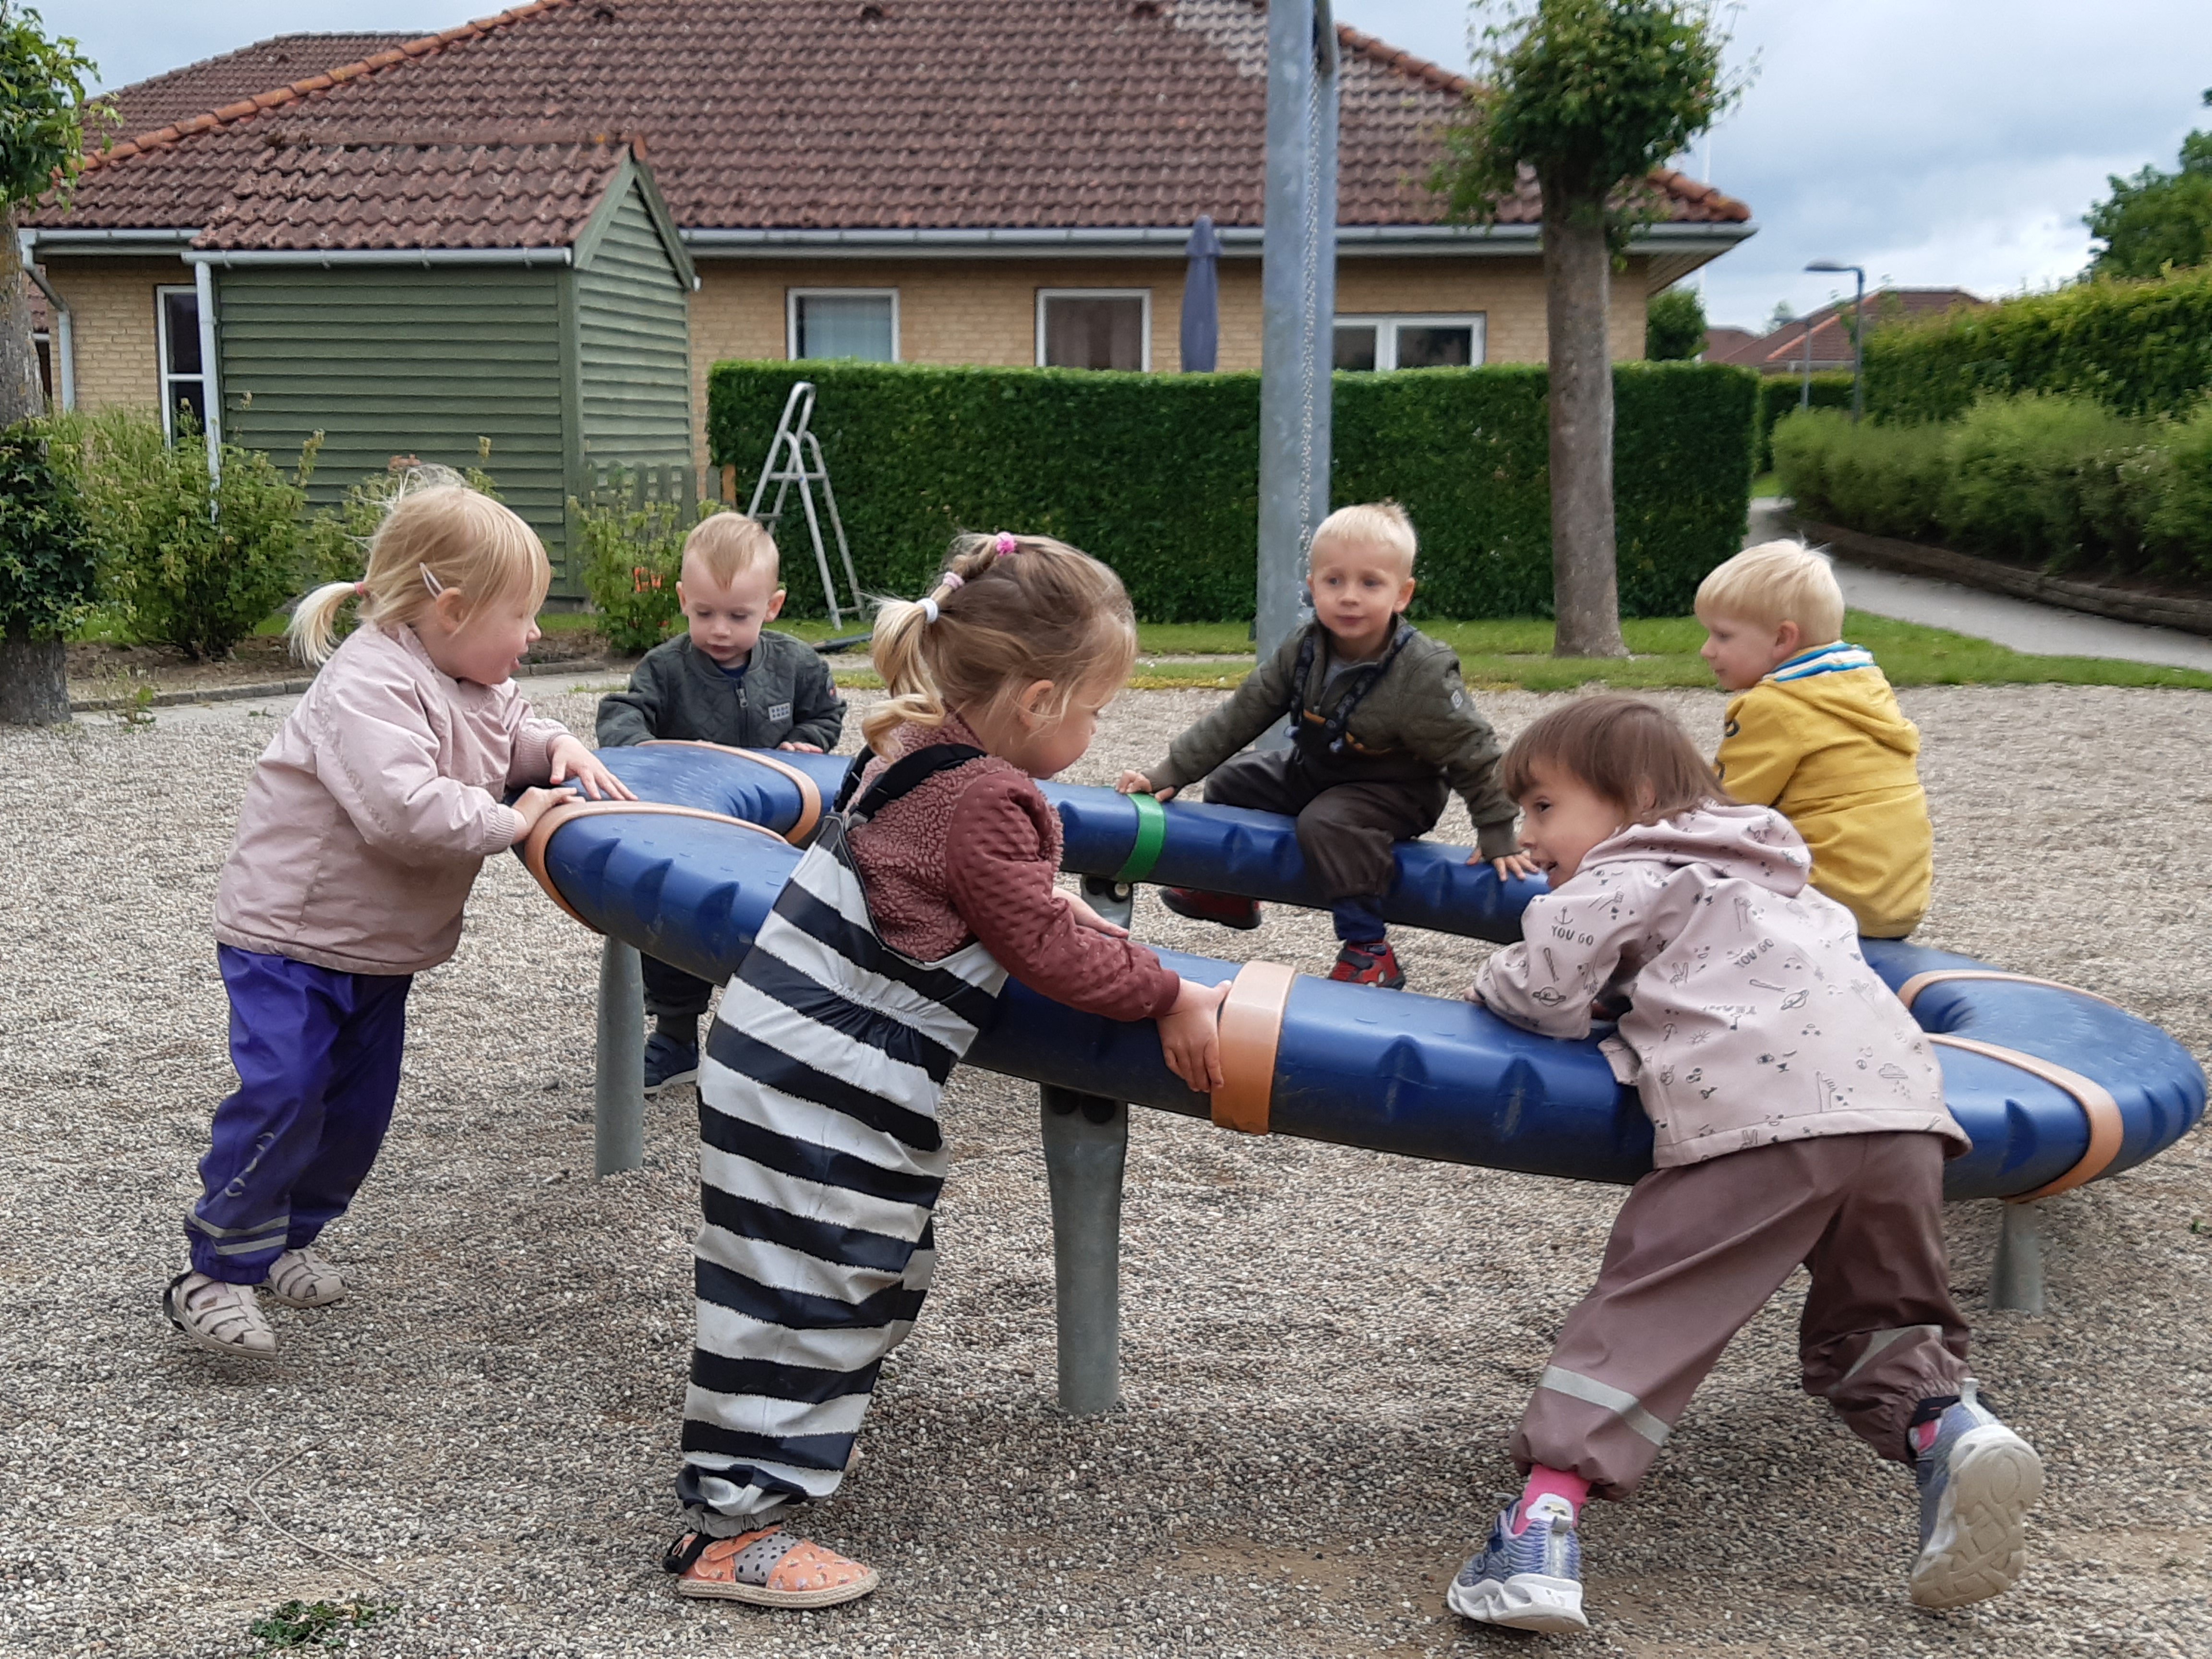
(48, 566)
(1781, 313)
(1589, 95)
(1674, 326)
(42, 148)
(2156, 220)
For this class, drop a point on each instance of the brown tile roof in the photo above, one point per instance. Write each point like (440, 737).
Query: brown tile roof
(1784, 348)
(327, 193)
(147, 106)
(843, 114)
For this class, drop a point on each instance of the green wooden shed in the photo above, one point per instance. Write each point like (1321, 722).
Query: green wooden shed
(448, 299)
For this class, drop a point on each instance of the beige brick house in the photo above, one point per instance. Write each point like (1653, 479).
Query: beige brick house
(964, 181)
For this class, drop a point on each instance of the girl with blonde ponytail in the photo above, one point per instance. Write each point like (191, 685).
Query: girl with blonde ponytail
(363, 828)
(820, 1155)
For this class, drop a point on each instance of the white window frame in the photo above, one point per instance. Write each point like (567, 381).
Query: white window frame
(792, 296)
(1144, 328)
(163, 357)
(1387, 324)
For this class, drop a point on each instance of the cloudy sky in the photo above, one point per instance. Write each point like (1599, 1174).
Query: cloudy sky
(1938, 142)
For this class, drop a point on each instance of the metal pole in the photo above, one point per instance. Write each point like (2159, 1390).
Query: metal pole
(618, 1103)
(1859, 348)
(1298, 291)
(211, 368)
(1086, 1145)
(2016, 1281)
(1805, 379)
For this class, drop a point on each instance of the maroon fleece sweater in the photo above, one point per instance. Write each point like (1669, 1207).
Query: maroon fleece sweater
(971, 854)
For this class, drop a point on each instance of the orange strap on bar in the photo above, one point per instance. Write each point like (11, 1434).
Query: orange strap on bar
(809, 797)
(1251, 1028)
(2096, 1102)
(541, 833)
(1919, 983)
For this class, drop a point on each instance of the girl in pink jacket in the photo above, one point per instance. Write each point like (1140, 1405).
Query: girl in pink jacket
(1797, 1116)
(362, 829)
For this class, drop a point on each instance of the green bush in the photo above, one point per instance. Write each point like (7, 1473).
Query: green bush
(2138, 348)
(1674, 326)
(633, 553)
(1158, 474)
(1885, 480)
(49, 565)
(188, 562)
(2181, 525)
(1778, 396)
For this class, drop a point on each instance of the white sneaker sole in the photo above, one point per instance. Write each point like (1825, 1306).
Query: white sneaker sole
(1980, 1549)
(200, 1339)
(1528, 1601)
(652, 1090)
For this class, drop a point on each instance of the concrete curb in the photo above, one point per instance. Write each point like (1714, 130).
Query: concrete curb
(293, 688)
(1918, 559)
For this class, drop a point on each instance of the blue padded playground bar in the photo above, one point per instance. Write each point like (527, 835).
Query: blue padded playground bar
(1387, 1070)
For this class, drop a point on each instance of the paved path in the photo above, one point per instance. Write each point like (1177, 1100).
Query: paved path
(2041, 630)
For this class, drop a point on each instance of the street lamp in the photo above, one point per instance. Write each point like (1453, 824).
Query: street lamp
(1858, 334)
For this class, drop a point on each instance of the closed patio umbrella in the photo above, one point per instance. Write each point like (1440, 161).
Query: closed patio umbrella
(1201, 299)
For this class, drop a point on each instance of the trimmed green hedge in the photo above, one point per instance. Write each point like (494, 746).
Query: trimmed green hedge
(2138, 348)
(1778, 396)
(1158, 474)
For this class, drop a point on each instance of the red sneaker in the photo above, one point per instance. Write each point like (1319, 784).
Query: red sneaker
(1212, 907)
(1369, 964)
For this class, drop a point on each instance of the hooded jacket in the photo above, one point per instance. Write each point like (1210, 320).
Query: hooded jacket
(369, 814)
(1822, 741)
(1753, 1018)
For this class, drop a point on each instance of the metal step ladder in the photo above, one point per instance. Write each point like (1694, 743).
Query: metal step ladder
(794, 457)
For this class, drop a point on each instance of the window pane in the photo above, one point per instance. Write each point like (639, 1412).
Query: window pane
(846, 325)
(180, 315)
(193, 395)
(1355, 346)
(1086, 333)
(1422, 345)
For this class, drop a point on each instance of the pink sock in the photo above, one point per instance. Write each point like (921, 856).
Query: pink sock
(1552, 1483)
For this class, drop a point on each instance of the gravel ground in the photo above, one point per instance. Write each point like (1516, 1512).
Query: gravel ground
(1324, 1349)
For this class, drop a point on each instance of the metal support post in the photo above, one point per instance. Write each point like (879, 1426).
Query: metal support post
(1086, 1145)
(1297, 290)
(2016, 1281)
(618, 1103)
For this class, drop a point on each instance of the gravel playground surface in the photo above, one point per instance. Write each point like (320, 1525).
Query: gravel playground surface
(1324, 1349)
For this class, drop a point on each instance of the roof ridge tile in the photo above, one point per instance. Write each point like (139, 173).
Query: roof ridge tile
(277, 98)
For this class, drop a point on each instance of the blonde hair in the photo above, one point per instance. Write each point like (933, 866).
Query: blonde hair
(1382, 523)
(727, 544)
(436, 537)
(1007, 611)
(1774, 583)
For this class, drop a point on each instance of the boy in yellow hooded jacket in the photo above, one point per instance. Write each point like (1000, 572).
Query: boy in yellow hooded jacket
(1815, 732)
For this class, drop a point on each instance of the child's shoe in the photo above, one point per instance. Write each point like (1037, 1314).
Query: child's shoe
(1223, 907)
(769, 1568)
(668, 1062)
(1369, 964)
(300, 1279)
(1531, 1579)
(222, 1318)
(1977, 1482)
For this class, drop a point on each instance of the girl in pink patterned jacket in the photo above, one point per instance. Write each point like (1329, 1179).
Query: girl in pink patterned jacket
(1797, 1117)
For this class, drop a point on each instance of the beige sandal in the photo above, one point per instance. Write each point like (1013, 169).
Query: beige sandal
(220, 1317)
(300, 1278)
(769, 1568)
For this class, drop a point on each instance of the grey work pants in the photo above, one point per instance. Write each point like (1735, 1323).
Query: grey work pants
(1698, 1250)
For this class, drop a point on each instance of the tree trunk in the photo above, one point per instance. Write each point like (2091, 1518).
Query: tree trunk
(21, 394)
(34, 683)
(1577, 280)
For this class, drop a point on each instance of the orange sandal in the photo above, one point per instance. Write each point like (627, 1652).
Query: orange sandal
(769, 1568)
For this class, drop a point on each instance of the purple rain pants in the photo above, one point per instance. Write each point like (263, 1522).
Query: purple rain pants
(317, 1053)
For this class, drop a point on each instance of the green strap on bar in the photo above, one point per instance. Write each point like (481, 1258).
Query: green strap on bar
(1152, 835)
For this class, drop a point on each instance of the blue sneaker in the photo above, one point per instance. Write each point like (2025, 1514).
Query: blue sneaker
(668, 1061)
(1531, 1580)
(1978, 1482)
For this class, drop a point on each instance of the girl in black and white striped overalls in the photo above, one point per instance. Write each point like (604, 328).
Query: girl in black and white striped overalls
(820, 1157)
